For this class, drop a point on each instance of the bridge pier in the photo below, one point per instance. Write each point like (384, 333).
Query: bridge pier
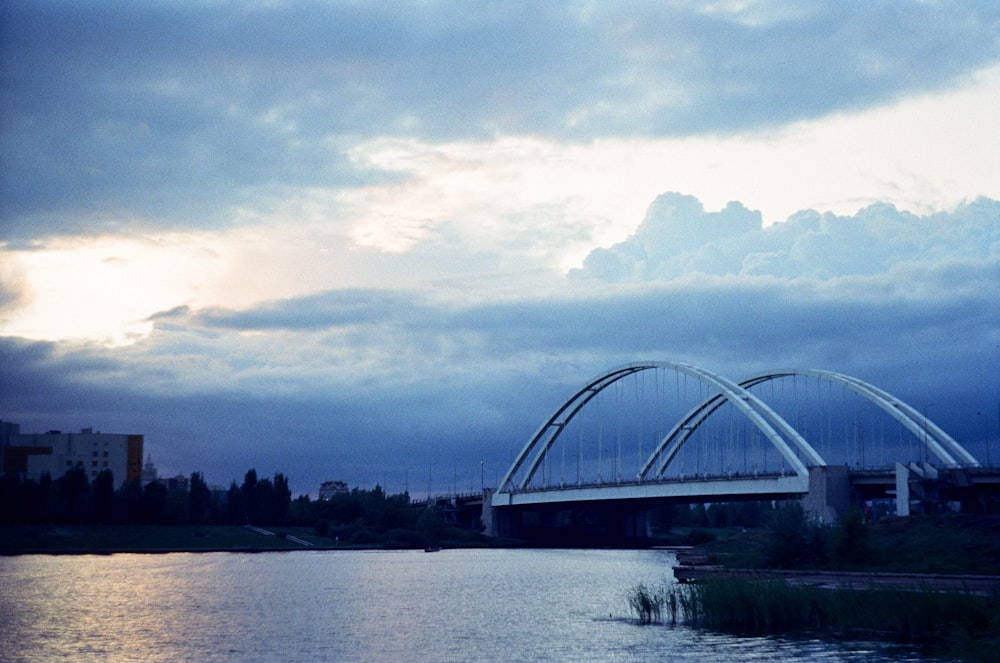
(637, 524)
(488, 519)
(902, 490)
(829, 495)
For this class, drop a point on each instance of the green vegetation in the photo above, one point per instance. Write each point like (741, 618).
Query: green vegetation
(70, 514)
(647, 602)
(73, 500)
(941, 543)
(372, 518)
(667, 520)
(144, 538)
(958, 624)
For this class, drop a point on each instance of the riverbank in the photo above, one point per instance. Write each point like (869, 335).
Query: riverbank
(983, 585)
(107, 539)
(959, 625)
(937, 544)
(932, 581)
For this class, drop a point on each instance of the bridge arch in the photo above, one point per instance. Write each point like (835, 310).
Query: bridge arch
(789, 443)
(942, 445)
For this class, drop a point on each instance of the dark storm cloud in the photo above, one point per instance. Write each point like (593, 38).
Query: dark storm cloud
(365, 384)
(469, 383)
(338, 308)
(736, 326)
(176, 113)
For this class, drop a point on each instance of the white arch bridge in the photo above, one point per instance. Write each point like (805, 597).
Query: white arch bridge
(663, 430)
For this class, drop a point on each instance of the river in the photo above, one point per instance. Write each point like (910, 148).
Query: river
(453, 605)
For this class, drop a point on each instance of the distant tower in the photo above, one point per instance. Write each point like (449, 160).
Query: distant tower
(148, 471)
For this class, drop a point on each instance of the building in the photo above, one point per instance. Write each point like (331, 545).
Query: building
(8, 431)
(33, 454)
(179, 482)
(328, 489)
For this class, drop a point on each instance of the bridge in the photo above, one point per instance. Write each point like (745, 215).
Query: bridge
(656, 432)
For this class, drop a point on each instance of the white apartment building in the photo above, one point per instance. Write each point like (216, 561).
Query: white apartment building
(55, 452)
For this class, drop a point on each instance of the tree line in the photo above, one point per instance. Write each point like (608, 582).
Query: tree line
(357, 517)
(73, 499)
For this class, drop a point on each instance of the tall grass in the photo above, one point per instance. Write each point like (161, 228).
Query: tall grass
(959, 624)
(753, 606)
(647, 603)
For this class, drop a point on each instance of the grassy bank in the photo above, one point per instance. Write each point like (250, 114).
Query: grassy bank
(928, 544)
(146, 538)
(956, 625)
(82, 539)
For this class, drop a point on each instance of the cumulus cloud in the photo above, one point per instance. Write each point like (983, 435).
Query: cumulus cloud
(678, 237)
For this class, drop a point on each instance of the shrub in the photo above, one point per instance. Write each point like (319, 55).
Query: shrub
(699, 536)
(849, 540)
(793, 540)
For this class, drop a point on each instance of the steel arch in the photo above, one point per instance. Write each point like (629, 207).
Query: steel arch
(939, 442)
(551, 429)
(759, 413)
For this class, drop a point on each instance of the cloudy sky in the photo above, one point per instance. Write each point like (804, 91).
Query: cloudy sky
(378, 241)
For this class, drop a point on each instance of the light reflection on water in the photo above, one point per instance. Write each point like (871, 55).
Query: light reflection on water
(456, 605)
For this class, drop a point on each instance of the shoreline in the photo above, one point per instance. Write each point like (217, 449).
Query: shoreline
(965, 583)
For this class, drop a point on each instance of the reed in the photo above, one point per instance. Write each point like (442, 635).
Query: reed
(647, 603)
(755, 606)
(958, 623)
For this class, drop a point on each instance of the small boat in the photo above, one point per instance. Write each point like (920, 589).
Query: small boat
(432, 549)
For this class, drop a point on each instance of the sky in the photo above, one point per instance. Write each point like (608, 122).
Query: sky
(380, 241)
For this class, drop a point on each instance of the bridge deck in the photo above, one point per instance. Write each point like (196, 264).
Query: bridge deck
(711, 488)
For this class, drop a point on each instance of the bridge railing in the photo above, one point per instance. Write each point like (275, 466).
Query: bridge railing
(447, 497)
(648, 481)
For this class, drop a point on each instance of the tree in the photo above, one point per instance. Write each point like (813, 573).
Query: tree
(199, 500)
(104, 496)
(128, 502)
(262, 503)
(751, 513)
(282, 499)
(699, 515)
(236, 505)
(154, 503)
(249, 492)
(72, 490)
(850, 543)
(12, 505)
(719, 515)
(431, 526)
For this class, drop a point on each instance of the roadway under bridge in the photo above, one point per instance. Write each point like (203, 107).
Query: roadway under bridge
(660, 432)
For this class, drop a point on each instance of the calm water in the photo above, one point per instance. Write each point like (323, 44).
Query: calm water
(461, 605)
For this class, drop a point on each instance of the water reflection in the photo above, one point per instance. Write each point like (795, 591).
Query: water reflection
(485, 605)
